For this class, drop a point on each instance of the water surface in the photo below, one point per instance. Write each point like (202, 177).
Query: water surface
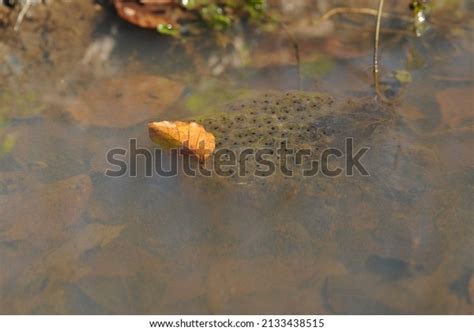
(78, 83)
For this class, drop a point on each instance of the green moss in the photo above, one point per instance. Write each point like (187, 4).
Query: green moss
(168, 29)
(212, 98)
(219, 16)
(402, 76)
(14, 103)
(7, 143)
(320, 66)
(216, 17)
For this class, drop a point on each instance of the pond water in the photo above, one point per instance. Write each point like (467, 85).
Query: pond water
(77, 82)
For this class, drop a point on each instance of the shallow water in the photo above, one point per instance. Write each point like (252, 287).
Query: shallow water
(75, 241)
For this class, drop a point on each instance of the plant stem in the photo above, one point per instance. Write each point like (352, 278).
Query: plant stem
(24, 9)
(296, 49)
(363, 11)
(376, 47)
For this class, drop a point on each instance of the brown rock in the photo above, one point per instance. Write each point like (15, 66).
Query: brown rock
(124, 102)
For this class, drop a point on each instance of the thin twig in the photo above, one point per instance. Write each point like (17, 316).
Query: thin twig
(294, 44)
(296, 49)
(364, 11)
(371, 30)
(22, 14)
(376, 47)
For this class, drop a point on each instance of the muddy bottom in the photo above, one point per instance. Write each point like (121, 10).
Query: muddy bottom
(77, 82)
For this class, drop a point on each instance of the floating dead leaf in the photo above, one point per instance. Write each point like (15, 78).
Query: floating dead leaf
(149, 14)
(456, 105)
(190, 136)
(123, 102)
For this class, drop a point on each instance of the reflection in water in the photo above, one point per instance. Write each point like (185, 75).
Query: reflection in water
(77, 241)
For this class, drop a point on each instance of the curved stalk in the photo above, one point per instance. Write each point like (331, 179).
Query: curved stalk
(376, 47)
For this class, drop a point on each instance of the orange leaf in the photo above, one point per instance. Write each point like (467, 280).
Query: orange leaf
(190, 136)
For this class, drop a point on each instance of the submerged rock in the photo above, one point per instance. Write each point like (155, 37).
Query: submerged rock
(124, 101)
